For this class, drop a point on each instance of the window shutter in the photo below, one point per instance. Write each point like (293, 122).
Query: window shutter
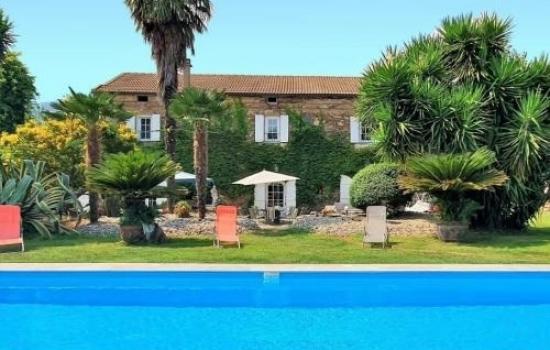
(284, 129)
(355, 130)
(290, 194)
(259, 196)
(155, 127)
(259, 128)
(131, 123)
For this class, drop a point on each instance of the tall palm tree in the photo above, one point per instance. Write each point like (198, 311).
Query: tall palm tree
(91, 109)
(198, 107)
(7, 38)
(170, 26)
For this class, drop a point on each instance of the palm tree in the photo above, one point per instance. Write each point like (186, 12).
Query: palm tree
(170, 26)
(91, 109)
(450, 177)
(7, 38)
(198, 107)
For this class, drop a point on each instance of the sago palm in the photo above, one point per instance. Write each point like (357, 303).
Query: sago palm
(450, 177)
(197, 107)
(170, 27)
(92, 109)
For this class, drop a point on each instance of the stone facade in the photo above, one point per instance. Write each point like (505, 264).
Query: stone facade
(333, 111)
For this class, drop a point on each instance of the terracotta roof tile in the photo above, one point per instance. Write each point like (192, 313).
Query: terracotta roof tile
(242, 84)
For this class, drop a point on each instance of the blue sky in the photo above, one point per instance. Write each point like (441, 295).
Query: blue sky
(82, 43)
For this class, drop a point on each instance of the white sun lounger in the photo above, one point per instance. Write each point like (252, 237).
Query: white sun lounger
(376, 230)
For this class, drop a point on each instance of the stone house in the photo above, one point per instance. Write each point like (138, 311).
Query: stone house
(267, 98)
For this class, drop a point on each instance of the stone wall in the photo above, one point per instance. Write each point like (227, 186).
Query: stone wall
(333, 111)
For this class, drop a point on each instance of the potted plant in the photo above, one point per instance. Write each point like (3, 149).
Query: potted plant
(451, 179)
(134, 177)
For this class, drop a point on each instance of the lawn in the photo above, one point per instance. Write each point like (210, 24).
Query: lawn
(532, 246)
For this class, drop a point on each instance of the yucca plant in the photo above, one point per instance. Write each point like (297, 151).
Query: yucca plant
(450, 178)
(42, 197)
(134, 177)
(460, 89)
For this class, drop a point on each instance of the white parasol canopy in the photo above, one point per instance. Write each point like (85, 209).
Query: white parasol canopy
(265, 177)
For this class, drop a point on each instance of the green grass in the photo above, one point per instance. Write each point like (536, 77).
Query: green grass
(532, 246)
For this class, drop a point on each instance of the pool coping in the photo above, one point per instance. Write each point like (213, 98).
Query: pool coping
(274, 267)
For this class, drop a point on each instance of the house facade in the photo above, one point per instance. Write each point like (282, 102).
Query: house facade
(267, 98)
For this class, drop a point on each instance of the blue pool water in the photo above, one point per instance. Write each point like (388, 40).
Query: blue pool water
(138, 310)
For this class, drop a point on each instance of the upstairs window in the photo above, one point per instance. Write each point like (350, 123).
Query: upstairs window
(272, 129)
(143, 98)
(365, 133)
(145, 128)
(271, 100)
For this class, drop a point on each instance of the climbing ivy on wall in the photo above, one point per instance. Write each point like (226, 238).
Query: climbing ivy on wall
(313, 155)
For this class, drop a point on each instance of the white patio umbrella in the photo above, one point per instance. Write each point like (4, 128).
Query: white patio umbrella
(265, 177)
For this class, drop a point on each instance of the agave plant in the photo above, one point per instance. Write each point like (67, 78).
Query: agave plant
(42, 197)
(450, 178)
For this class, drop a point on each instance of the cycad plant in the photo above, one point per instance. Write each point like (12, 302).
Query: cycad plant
(461, 89)
(132, 176)
(198, 107)
(42, 197)
(450, 178)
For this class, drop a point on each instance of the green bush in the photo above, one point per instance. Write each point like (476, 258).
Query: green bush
(182, 209)
(377, 184)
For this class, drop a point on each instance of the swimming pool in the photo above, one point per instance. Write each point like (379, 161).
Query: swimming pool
(254, 310)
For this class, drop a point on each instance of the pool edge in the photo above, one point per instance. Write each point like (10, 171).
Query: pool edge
(272, 267)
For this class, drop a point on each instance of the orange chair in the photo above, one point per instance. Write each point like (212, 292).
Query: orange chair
(226, 225)
(10, 226)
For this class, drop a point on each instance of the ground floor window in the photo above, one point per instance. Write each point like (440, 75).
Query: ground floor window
(145, 129)
(276, 195)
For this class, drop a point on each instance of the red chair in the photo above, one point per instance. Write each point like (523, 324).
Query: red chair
(226, 225)
(10, 226)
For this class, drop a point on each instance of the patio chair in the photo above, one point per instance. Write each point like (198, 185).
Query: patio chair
(293, 213)
(376, 230)
(226, 226)
(270, 215)
(10, 227)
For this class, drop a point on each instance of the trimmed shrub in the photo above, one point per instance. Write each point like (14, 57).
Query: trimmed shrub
(376, 184)
(182, 209)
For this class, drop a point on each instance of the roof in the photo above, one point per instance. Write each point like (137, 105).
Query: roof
(242, 85)
(265, 177)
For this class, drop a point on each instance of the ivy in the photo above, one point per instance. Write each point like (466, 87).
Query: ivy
(313, 155)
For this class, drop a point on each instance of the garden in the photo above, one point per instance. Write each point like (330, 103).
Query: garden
(461, 124)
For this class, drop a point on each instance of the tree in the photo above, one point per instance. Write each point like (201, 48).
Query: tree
(7, 37)
(198, 107)
(91, 109)
(459, 90)
(170, 26)
(60, 143)
(17, 92)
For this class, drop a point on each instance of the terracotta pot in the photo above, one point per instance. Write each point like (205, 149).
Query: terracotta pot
(132, 234)
(451, 231)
